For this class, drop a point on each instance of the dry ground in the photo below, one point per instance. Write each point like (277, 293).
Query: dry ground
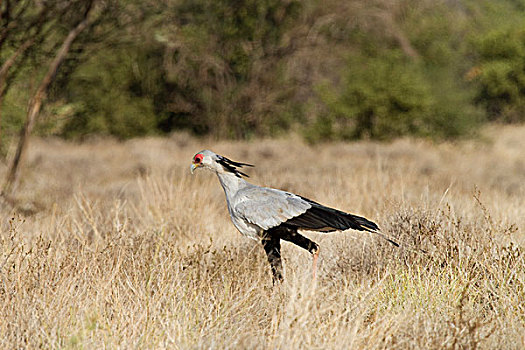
(116, 245)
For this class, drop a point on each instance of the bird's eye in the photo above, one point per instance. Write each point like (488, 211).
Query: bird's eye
(197, 158)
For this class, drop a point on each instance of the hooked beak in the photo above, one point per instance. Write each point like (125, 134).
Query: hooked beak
(193, 167)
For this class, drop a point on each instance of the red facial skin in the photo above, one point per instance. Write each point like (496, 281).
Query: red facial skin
(197, 159)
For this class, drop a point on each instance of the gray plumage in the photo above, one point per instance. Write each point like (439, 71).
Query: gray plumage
(271, 214)
(267, 207)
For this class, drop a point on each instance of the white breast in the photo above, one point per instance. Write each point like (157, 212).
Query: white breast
(247, 229)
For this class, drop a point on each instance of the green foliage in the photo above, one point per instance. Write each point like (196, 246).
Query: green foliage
(246, 68)
(452, 114)
(501, 74)
(380, 97)
(226, 73)
(389, 96)
(15, 109)
(212, 67)
(115, 93)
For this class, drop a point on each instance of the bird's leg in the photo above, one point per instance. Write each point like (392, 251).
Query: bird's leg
(272, 247)
(305, 243)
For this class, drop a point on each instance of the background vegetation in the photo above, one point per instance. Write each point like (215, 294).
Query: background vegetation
(237, 69)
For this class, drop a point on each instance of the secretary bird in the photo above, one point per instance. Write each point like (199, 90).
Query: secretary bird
(270, 215)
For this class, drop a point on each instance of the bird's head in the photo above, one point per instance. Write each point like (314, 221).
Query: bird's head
(209, 160)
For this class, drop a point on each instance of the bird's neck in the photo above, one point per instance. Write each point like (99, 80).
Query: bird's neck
(231, 183)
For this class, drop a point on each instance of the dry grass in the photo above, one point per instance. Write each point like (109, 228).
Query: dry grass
(116, 245)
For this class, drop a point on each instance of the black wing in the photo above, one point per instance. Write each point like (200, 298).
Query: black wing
(325, 219)
(322, 218)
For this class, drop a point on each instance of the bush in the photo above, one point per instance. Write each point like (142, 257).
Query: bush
(388, 96)
(227, 70)
(210, 67)
(501, 75)
(114, 94)
(380, 97)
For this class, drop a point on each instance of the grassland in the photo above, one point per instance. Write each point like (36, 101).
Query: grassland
(115, 245)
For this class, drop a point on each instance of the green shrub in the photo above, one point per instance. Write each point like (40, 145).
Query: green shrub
(13, 113)
(113, 94)
(207, 66)
(388, 96)
(501, 74)
(380, 97)
(232, 83)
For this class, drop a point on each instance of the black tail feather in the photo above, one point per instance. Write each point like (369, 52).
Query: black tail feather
(322, 217)
(325, 219)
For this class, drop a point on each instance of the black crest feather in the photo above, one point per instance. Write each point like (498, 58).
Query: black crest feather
(232, 166)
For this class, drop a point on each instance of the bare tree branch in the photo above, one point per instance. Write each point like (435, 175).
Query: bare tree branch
(36, 103)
